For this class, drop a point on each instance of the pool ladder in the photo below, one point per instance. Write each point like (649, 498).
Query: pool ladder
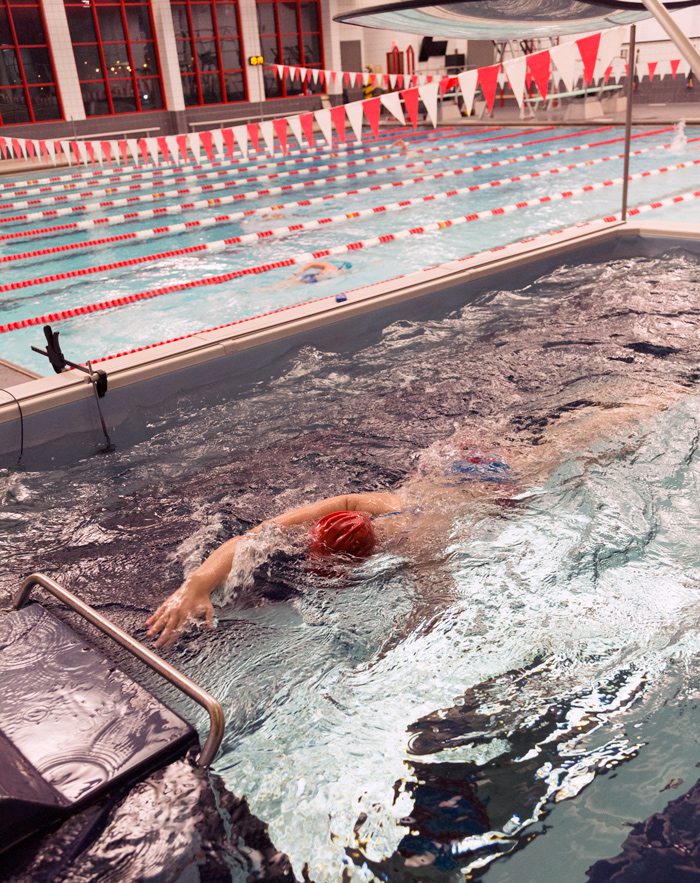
(171, 674)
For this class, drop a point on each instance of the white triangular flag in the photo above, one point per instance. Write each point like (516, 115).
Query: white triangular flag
(392, 102)
(217, 138)
(515, 71)
(467, 84)
(171, 141)
(565, 58)
(82, 152)
(392, 80)
(314, 75)
(51, 148)
(268, 132)
(153, 149)
(240, 133)
(353, 111)
(429, 97)
(323, 118)
(295, 126)
(195, 145)
(608, 49)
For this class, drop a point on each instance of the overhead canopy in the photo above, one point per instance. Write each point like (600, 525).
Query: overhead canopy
(502, 19)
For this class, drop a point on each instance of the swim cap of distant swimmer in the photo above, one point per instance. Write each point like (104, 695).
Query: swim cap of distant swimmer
(349, 533)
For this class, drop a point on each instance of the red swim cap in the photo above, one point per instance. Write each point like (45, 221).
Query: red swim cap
(350, 533)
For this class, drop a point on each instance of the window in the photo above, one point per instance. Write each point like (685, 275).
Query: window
(115, 55)
(290, 33)
(210, 51)
(27, 80)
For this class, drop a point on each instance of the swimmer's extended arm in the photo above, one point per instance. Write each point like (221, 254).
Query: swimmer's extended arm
(192, 601)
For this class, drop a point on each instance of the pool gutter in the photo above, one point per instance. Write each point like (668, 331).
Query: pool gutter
(39, 413)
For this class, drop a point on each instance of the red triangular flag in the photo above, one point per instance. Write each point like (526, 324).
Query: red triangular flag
(90, 150)
(163, 147)
(651, 66)
(207, 144)
(539, 65)
(308, 76)
(182, 145)
(143, 147)
(229, 141)
(43, 149)
(338, 120)
(334, 75)
(124, 151)
(307, 127)
(675, 62)
(106, 150)
(607, 74)
(346, 78)
(410, 100)
(31, 153)
(399, 81)
(280, 127)
(3, 148)
(372, 108)
(322, 78)
(488, 80)
(76, 152)
(254, 135)
(588, 47)
(285, 72)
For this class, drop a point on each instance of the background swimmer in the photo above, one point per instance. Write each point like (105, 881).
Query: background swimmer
(317, 271)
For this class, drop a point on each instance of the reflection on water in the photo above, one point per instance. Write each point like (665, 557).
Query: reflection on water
(411, 719)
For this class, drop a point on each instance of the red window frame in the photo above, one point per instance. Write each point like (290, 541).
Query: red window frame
(26, 85)
(191, 41)
(283, 86)
(105, 80)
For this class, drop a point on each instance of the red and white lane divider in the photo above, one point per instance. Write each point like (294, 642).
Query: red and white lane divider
(146, 187)
(307, 256)
(277, 232)
(351, 144)
(210, 188)
(64, 315)
(176, 174)
(273, 191)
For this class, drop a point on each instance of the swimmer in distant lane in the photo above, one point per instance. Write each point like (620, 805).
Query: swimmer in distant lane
(317, 271)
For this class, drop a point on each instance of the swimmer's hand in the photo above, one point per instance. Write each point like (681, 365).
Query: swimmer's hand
(186, 605)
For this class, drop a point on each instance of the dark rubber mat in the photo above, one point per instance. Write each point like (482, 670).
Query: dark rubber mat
(72, 725)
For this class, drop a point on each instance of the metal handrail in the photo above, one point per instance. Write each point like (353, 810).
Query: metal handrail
(181, 681)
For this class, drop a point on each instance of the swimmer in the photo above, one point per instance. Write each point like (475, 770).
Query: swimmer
(318, 271)
(451, 478)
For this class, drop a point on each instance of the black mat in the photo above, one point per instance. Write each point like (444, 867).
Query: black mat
(72, 725)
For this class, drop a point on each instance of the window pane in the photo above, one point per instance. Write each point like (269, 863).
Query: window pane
(211, 88)
(28, 25)
(80, 23)
(266, 18)
(180, 22)
(5, 32)
(87, 60)
(116, 59)
(235, 90)
(189, 88)
(230, 55)
(13, 106)
(201, 20)
(9, 69)
(226, 20)
(309, 17)
(312, 49)
(288, 18)
(45, 103)
(110, 21)
(123, 97)
(268, 46)
(95, 99)
(290, 49)
(185, 57)
(206, 55)
(144, 56)
(138, 23)
(37, 65)
(149, 93)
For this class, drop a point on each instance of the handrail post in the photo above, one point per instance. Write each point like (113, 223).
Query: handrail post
(125, 640)
(628, 120)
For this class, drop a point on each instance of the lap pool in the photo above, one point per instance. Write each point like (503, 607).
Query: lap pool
(506, 703)
(126, 258)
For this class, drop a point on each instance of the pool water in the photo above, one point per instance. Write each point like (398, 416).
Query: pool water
(521, 689)
(188, 311)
